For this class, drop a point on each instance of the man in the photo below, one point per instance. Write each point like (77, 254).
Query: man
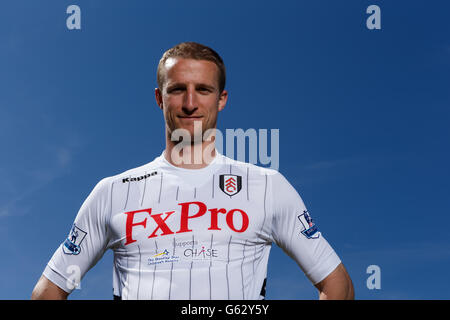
(193, 224)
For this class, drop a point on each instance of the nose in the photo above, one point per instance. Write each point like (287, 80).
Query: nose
(190, 103)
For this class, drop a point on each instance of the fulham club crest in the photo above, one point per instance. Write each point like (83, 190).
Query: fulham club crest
(230, 184)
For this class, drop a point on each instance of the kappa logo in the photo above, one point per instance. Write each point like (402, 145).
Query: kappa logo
(310, 230)
(140, 178)
(230, 184)
(72, 245)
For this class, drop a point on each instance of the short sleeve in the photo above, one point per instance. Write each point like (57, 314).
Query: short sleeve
(86, 242)
(294, 230)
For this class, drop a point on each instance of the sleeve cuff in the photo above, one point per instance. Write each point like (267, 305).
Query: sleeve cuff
(324, 268)
(58, 279)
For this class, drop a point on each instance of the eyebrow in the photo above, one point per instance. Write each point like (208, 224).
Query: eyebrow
(182, 85)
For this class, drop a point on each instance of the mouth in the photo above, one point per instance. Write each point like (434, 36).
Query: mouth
(190, 117)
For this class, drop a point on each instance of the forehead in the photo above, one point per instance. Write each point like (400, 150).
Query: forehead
(190, 70)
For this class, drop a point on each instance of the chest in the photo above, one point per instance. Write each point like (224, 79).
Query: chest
(162, 212)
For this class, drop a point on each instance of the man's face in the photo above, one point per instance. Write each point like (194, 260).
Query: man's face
(190, 93)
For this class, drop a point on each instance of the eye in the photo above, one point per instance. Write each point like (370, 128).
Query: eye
(203, 89)
(175, 90)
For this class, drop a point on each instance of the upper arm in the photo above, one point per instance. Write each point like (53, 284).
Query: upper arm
(86, 243)
(47, 290)
(295, 231)
(337, 285)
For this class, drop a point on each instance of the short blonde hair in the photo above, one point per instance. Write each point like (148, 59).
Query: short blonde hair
(192, 50)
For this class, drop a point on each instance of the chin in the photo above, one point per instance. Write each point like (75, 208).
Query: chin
(186, 134)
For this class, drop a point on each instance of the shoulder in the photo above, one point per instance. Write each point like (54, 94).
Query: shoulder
(249, 168)
(133, 174)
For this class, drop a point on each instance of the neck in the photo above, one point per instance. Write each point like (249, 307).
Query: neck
(195, 155)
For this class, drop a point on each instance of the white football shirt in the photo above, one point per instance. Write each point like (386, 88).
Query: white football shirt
(191, 234)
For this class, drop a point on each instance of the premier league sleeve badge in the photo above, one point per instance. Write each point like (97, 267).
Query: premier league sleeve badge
(73, 241)
(309, 230)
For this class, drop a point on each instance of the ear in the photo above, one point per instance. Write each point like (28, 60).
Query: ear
(158, 98)
(223, 99)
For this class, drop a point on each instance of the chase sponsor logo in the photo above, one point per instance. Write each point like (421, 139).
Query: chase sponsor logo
(201, 253)
(140, 178)
(72, 245)
(310, 230)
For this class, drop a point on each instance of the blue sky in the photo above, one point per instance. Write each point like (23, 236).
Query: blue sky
(363, 118)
